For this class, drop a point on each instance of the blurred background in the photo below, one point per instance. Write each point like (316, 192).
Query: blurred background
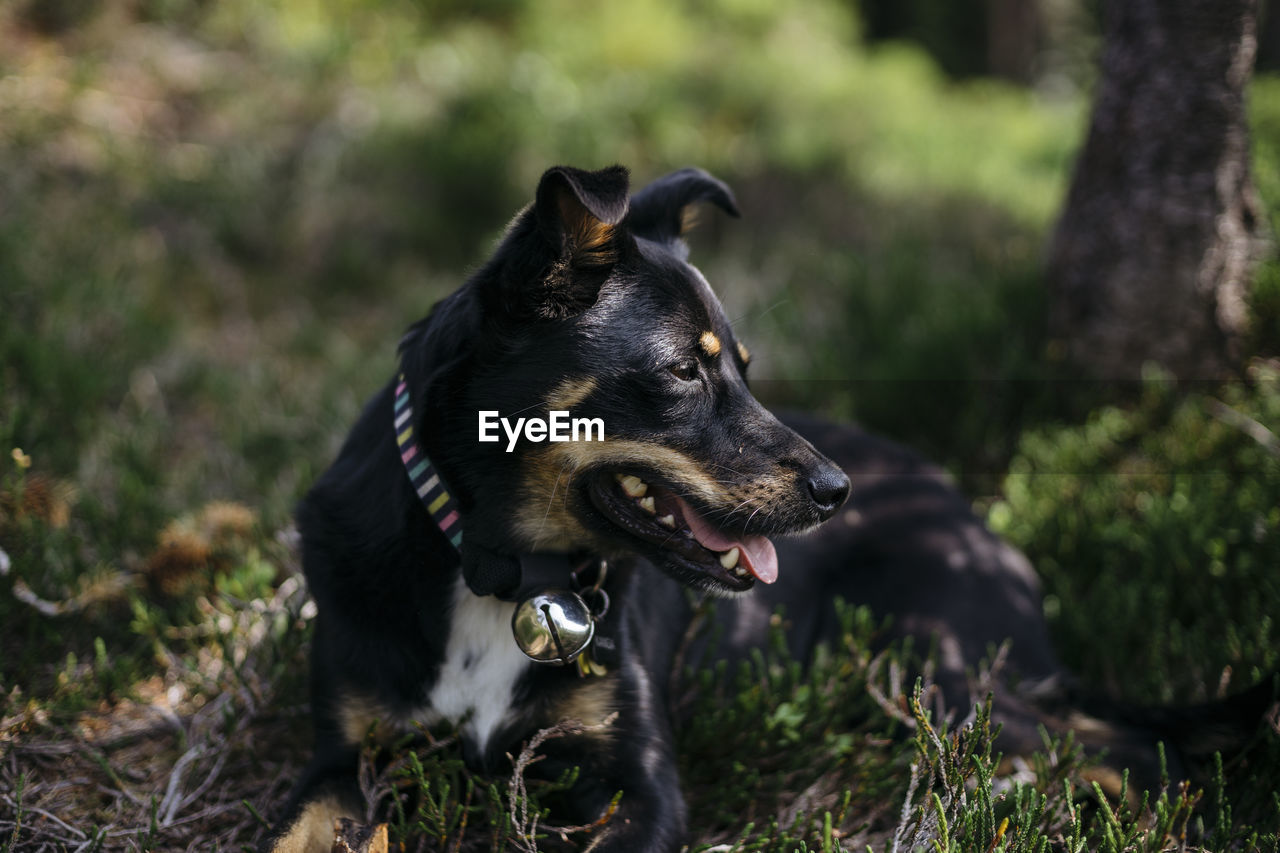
(216, 218)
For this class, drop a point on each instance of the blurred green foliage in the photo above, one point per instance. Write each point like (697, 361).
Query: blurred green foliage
(1157, 527)
(1264, 116)
(218, 215)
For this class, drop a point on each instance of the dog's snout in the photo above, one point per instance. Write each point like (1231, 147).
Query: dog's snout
(828, 489)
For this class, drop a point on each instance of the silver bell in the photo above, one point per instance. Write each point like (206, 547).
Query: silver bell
(553, 626)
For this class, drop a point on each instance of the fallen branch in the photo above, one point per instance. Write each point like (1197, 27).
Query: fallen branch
(526, 827)
(1247, 425)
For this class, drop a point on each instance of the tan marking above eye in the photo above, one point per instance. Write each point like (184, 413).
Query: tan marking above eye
(710, 343)
(744, 353)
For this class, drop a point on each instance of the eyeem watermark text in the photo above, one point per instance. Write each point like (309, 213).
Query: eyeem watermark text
(557, 426)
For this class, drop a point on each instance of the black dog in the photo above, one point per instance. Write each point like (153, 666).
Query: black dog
(421, 537)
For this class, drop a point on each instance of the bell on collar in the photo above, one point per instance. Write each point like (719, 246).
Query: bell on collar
(553, 626)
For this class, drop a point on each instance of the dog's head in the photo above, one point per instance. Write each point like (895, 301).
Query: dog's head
(590, 307)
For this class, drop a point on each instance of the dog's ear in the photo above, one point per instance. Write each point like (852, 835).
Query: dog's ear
(663, 211)
(574, 242)
(578, 211)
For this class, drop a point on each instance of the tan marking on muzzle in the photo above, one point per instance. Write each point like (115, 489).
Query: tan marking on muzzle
(744, 353)
(570, 392)
(710, 343)
(544, 519)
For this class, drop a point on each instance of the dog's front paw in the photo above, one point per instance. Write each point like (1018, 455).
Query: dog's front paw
(350, 836)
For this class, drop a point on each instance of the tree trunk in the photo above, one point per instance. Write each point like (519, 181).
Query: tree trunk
(1015, 38)
(1152, 258)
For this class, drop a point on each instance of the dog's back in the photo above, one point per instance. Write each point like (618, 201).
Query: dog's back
(908, 546)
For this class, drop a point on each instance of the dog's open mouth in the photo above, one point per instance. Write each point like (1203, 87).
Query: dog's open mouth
(658, 516)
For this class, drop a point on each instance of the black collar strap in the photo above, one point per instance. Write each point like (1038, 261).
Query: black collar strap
(535, 570)
(546, 615)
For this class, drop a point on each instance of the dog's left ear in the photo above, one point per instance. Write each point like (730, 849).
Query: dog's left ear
(663, 210)
(576, 241)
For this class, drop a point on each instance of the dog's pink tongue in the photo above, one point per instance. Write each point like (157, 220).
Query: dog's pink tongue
(757, 552)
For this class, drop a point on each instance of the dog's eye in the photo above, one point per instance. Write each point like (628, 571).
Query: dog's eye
(686, 370)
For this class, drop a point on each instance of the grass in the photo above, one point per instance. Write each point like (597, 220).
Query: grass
(218, 218)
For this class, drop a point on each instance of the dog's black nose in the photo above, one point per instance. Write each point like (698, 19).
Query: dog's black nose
(828, 488)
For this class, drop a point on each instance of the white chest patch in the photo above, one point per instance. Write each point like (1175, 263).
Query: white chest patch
(481, 666)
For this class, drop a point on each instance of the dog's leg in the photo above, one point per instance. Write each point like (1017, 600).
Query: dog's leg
(635, 756)
(651, 815)
(326, 792)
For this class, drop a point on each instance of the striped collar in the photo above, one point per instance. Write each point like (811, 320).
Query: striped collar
(441, 506)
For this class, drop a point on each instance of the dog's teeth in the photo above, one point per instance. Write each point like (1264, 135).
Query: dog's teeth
(668, 521)
(740, 572)
(633, 485)
(647, 505)
(729, 558)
